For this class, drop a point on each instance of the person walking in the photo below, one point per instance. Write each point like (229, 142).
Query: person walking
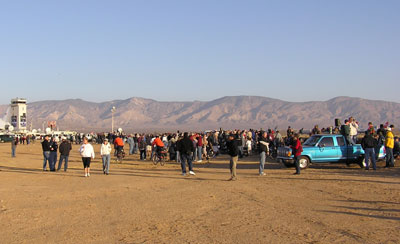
(87, 154)
(263, 150)
(297, 149)
(369, 143)
(105, 152)
(13, 146)
(46, 152)
(233, 151)
(186, 148)
(64, 149)
(389, 145)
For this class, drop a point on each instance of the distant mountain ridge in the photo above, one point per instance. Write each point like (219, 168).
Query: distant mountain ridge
(141, 114)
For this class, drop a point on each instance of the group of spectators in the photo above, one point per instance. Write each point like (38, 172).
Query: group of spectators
(185, 148)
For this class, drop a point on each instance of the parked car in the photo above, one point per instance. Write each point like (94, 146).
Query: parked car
(326, 148)
(5, 138)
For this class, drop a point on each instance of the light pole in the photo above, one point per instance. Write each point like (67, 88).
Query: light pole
(112, 119)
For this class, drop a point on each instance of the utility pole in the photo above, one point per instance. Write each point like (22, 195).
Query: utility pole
(112, 118)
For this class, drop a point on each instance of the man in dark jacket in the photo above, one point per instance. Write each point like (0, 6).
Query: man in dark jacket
(46, 152)
(345, 131)
(186, 148)
(65, 148)
(369, 143)
(233, 151)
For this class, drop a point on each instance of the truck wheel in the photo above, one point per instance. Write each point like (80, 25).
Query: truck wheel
(362, 163)
(304, 162)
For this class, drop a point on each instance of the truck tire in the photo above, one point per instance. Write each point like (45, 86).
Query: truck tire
(361, 162)
(304, 162)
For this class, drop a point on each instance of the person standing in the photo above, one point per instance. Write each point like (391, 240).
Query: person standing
(105, 152)
(263, 150)
(87, 154)
(142, 147)
(65, 148)
(389, 145)
(369, 143)
(186, 148)
(233, 151)
(199, 148)
(296, 151)
(13, 146)
(345, 131)
(46, 152)
(53, 154)
(353, 129)
(131, 143)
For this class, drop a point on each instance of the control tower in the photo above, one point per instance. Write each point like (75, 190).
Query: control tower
(18, 114)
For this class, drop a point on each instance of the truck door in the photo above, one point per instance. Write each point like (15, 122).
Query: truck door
(343, 148)
(327, 150)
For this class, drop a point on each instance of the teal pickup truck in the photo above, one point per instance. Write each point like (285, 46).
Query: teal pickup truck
(325, 148)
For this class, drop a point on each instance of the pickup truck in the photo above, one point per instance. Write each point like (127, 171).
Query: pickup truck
(325, 148)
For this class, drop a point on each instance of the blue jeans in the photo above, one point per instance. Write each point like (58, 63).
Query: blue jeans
(178, 157)
(65, 158)
(389, 157)
(199, 152)
(262, 162)
(370, 155)
(13, 152)
(46, 157)
(297, 164)
(106, 163)
(186, 157)
(53, 161)
(131, 148)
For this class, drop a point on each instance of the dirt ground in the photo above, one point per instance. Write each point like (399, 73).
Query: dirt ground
(142, 203)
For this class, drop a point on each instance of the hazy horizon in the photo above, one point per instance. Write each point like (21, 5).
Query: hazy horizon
(122, 99)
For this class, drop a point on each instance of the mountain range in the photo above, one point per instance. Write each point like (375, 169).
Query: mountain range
(242, 112)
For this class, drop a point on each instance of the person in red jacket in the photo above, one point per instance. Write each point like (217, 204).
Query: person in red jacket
(160, 145)
(118, 144)
(297, 149)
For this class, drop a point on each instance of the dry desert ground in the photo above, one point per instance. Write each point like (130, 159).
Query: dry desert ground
(142, 203)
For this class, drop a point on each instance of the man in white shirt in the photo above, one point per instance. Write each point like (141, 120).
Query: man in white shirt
(105, 152)
(353, 129)
(87, 154)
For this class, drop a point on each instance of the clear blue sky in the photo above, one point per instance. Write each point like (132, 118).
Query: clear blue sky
(296, 50)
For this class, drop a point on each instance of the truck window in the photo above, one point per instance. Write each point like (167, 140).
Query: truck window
(340, 141)
(327, 141)
(312, 141)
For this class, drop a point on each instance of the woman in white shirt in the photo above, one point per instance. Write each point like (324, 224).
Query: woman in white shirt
(105, 152)
(87, 154)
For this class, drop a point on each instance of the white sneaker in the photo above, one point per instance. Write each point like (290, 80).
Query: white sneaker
(88, 174)
(192, 173)
(85, 175)
(199, 161)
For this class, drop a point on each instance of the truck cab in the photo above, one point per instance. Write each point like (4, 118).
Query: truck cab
(325, 148)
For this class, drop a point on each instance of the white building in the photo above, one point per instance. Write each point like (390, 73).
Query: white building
(18, 114)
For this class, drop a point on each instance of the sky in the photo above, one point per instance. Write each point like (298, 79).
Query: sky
(294, 50)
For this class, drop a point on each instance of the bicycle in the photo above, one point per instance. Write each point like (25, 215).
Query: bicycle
(120, 155)
(160, 157)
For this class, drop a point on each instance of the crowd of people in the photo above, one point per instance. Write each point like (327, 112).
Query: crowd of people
(185, 148)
